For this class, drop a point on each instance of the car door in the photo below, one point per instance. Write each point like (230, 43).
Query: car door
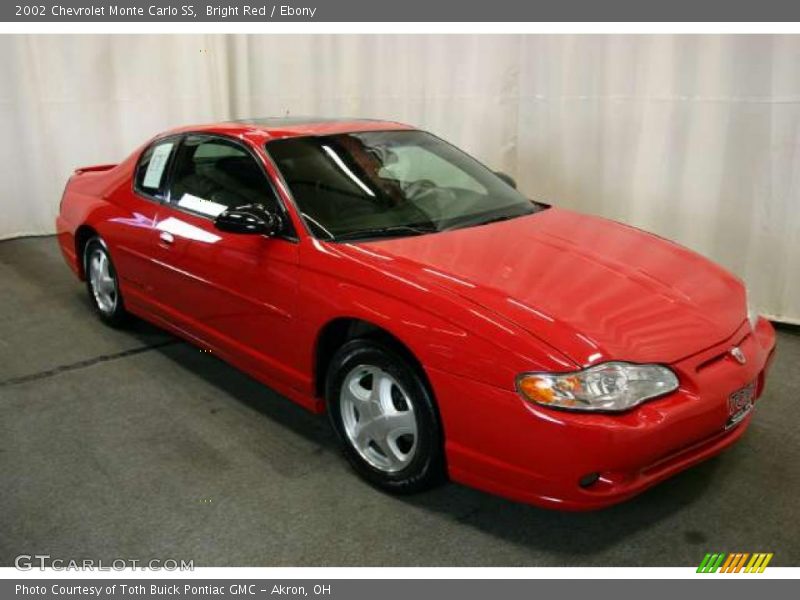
(235, 292)
(131, 230)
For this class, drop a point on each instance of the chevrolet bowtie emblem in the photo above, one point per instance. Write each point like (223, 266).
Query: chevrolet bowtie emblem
(737, 353)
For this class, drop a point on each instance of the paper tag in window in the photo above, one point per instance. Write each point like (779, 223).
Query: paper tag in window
(206, 207)
(155, 168)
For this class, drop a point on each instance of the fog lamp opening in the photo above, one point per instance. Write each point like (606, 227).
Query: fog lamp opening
(588, 480)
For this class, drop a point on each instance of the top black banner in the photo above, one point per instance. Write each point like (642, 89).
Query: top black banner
(405, 11)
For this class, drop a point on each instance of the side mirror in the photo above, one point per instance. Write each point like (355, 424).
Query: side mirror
(507, 178)
(251, 218)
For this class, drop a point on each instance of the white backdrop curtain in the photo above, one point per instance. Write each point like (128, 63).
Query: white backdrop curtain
(696, 138)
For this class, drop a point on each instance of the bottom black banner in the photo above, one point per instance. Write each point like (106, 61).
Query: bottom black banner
(383, 589)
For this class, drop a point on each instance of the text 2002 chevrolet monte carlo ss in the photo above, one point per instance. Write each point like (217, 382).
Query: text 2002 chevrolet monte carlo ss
(447, 324)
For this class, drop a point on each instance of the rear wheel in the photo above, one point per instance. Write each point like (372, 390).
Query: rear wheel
(385, 417)
(102, 283)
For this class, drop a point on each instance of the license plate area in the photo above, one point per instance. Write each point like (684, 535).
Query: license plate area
(740, 403)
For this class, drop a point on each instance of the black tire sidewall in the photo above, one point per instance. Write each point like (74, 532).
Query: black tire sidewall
(118, 316)
(426, 468)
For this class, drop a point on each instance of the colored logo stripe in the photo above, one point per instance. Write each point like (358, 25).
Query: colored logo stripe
(734, 562)
(711, 563)
(758, 563)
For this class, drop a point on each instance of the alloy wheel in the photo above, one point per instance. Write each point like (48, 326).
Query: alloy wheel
(378, 418)
(101, 277)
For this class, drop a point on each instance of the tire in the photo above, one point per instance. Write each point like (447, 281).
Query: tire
(385, 418)
(102, 283)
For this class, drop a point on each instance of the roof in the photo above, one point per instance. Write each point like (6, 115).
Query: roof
(283, 127)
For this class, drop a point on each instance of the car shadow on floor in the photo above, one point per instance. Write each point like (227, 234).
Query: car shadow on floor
(524, 525)
(572, 534)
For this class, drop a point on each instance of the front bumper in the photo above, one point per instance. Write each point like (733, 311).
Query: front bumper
(497, 442)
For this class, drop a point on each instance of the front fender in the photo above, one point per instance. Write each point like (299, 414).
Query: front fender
(444, 331)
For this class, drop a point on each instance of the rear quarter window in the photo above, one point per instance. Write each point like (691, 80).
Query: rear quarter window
(151, 171)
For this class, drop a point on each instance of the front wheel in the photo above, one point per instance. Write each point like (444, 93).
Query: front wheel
(385, 417)
(102, 283)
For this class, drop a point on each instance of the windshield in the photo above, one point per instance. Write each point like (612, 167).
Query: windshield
(390, 183)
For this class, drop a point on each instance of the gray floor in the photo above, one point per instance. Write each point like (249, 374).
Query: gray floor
(130, 444)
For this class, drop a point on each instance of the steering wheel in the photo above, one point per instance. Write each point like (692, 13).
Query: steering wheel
(420, 187)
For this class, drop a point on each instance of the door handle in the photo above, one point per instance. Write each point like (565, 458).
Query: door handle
(166, 237)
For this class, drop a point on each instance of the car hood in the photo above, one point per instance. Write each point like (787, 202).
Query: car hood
(594, 289)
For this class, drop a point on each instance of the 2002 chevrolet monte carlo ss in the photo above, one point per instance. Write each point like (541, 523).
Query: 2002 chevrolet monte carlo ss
(447, 324)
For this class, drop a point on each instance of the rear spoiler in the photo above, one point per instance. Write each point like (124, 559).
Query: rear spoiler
(94, 169)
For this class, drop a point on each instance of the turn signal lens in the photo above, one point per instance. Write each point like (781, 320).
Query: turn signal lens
(611, 386)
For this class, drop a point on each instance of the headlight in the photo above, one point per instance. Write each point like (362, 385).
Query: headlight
(752, 314)
(611, 386)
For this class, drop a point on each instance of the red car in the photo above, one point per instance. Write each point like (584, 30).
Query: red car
(448, 325)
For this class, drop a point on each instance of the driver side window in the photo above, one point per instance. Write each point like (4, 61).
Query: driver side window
(212, 175)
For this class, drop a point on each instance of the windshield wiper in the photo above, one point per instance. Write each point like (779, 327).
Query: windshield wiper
(390, 231)
(478, 222)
